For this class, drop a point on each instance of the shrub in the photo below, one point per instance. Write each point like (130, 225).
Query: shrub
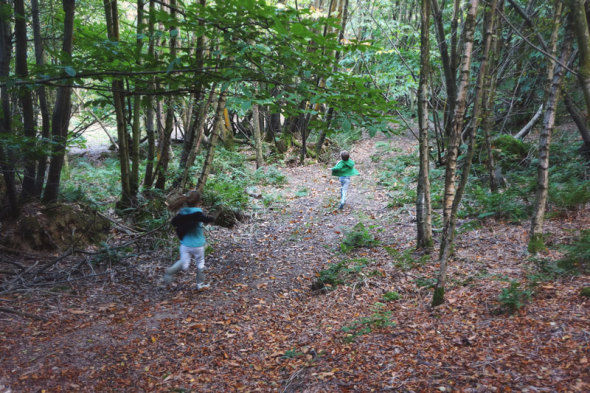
(511, 149)
(577, 258)
(513, 297)
(270, 176)
(339, 273)
(379, 318)
(357, 237)
(391, 296)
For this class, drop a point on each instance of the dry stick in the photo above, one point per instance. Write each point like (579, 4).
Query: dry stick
(100, 123)
(555, 59)
(22, 314)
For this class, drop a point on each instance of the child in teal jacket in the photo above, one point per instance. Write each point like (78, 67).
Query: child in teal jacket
(344, 169)
(189, 228)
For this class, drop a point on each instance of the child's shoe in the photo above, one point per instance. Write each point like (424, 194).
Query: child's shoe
(201, 280)
(341, 206)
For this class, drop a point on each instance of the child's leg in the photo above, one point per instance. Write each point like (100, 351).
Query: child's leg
(183, 263)
(199, 255)
(345, 182)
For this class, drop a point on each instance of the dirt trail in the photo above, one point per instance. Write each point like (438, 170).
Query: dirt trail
(261, 328)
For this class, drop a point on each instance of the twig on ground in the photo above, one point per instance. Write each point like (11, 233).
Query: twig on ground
(22, 314)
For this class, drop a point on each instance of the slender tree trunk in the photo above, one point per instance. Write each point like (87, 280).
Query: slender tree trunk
(490, 97)
(536, 242)
(578, 118)
(423, 205)
(200, 127)
(448, 60)
(43, 106)
(481, 91)
(149, 116)
(60, 119)
(6, 155)
(524, 131)
(218, 123)
(343, 15)
(26, 100)
(135, 128)
(580, 26)
(452, 154)
(127, 195)
(164, 151)
(257, 136)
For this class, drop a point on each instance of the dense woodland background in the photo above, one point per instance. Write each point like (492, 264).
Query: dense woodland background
(477, 113)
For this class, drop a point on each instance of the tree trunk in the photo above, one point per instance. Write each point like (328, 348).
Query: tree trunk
(164, 151)
(127, 196)
(60, 119)
(43, 106)
(135, 128)
(6, 155)
(423, 205)
(529, 126)
(149, 115)
(580, 27)
(257, 136)
(200, 127)
(536, 242)
(218, 123)
(26, 100)
(452, 154)
(578, 118)
(488, 105)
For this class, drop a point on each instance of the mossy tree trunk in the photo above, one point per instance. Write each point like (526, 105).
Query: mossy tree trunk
(536, 242)
(60, 118)
(6, 155)
(449, 219)
(218, 123)
(26, 100)
(423, 205)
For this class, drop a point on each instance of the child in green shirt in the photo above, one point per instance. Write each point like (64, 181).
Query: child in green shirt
(344, 169)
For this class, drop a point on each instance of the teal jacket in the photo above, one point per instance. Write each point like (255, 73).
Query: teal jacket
(190, 221)
(344, 168)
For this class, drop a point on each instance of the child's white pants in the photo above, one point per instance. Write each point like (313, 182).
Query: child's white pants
(186, 253)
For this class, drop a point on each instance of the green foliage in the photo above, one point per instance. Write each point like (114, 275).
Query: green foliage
(270, 175)
(380, 318)
(536, 244)
(391, 296)
(577, 258)
(343, 272)
(359, 236)
(510, 149)
(425, 282)
(95, 182)
(292, 353)
(585, 292)
(404, 260)
(269, 200)
(513, 297)
(509, 204)
(222, 191)
(302, 192)
(112, 255)
(570, 194)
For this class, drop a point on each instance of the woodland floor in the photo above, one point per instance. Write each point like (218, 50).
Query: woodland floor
(260, 327)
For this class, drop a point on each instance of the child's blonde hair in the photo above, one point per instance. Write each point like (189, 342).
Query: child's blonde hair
(191, 199)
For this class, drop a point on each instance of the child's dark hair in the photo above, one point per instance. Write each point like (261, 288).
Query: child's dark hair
(344, 155)
(190, 199)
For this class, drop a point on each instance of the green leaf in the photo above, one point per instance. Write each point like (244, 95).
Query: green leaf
(70, 71)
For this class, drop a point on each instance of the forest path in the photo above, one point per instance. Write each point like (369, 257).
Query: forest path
(260, 327)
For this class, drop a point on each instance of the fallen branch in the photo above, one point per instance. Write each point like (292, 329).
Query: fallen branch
(22, 314)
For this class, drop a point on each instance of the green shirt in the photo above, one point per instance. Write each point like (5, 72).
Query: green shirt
(344, 168)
